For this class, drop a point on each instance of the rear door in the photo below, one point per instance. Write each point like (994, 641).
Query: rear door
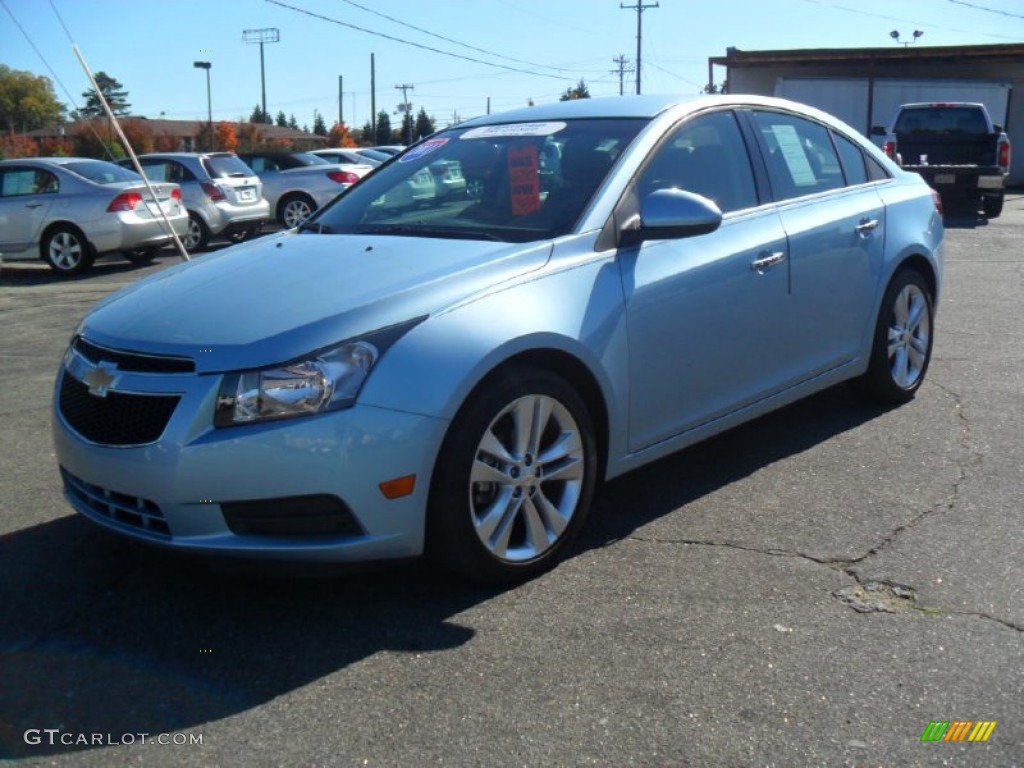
(834, 222)
(26, 196)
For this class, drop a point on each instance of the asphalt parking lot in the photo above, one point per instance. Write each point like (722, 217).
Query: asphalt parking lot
(811, 589)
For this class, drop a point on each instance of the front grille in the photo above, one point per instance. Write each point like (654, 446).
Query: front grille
(131, 511)
(132, 361)
(117, 419)
(315, 515)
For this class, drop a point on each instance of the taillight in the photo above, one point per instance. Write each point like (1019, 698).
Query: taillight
(1004, 155)
(890, 149)
(342, 177)
(212, 192)
(176, 194)
(937, 199)
(126, 201)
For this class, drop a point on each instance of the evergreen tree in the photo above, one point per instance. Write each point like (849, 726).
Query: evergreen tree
(319, 127)
(282, 120)
(579, 91)
(112, 91)
(424, 124)
(293, 123)
(382, 131)
(259, 116)
(366, 134)
(407, 131)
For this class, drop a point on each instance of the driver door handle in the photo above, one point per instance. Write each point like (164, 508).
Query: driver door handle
(767, 261)
(866, 225)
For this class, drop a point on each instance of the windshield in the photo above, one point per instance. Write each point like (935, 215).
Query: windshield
(514, 182)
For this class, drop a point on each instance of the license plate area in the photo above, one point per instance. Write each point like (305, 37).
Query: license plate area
(246, 194)
(945, 178)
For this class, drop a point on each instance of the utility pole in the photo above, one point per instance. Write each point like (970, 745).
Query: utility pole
(622, 70)
(261, 36)
(341, 99)
(639, 8)
(404, 108)
(373, 98)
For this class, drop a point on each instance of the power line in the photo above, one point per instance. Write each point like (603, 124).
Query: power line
(409, 42)
(450, 40)
(989, 10)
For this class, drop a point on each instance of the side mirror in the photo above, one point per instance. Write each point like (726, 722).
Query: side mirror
(672, 213)
(878, 130)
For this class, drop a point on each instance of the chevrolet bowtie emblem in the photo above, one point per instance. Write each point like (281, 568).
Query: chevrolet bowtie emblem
(101, 378)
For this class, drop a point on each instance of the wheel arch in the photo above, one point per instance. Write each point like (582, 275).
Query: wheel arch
(290, 195)
(48, 230)
(919, 263)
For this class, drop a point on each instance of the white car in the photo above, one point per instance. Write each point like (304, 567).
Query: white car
(69, 210)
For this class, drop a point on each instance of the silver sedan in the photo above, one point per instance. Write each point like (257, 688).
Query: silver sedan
(69, 210)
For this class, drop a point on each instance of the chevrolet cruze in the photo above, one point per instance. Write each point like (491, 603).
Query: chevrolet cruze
(455, 375)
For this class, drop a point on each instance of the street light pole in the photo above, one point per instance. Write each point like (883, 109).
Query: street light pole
(261, 36)
(209, 105)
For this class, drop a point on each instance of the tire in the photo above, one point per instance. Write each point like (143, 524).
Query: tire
(66, 250)
(197, 235)
(504, 504)
(902, 346)
(992, 206)
(141, 256)
(294, 209)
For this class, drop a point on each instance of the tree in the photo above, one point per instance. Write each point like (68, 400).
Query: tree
(579, 91)
(16, 145)
(139, 136)
(340, 136)
(424, 124)
(249, 136)
(367, 134)
(226, 138)
(382, 131)
(259, 116)
(319, 127)
(408, 128)
(722, 87)
(27, 101)
(112, 91)
(282, 119)
(293, 123)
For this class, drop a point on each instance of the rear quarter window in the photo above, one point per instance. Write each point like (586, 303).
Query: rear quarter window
(101, 172)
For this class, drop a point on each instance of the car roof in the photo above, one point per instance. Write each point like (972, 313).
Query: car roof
(52, 160)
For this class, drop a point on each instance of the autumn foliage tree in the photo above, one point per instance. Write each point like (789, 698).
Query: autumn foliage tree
(340, 136)
(139, 135)
(226, 138)
(16, 145)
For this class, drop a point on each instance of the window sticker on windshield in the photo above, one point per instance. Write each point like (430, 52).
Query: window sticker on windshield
(794, 155)
(422, 149)
(524, 178)
(514, 129)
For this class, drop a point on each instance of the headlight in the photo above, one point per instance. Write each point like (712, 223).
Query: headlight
(325, 381)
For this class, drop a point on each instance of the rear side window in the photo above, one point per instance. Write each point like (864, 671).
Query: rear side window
(166, 170)
(101, 172)
(801, 157)
(226, 166)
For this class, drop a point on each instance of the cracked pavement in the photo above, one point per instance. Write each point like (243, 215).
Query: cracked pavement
(812, 588)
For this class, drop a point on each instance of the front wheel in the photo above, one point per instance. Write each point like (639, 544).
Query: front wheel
(902, 345)
(514, 478)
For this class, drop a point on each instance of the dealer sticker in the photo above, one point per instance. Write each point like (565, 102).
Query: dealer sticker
(514, 130)
(422, 149)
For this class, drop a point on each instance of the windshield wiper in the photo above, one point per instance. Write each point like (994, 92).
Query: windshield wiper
(419, 230)
(320, 229)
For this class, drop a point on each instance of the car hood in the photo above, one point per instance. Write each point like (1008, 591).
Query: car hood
(280, 297)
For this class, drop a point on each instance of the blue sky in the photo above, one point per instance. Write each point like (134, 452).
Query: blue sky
(511, 50)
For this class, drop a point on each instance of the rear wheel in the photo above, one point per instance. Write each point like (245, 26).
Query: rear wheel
(992, 205)
(197, 235)
(66, 250)
(902, 345)
(514, 478)
(295, 209)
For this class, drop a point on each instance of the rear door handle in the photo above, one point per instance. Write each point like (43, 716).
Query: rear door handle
(766, 262)
(32, 205)
(866, 225)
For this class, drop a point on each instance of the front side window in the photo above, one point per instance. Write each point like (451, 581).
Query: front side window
(707, 156)
(514, 182)
(801, 157)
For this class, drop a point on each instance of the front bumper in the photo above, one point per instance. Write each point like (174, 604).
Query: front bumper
(174, 490)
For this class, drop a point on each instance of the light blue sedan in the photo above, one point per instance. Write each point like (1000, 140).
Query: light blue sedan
(455, 376)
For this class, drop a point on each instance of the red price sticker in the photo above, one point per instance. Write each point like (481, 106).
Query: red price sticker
(524, 178)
